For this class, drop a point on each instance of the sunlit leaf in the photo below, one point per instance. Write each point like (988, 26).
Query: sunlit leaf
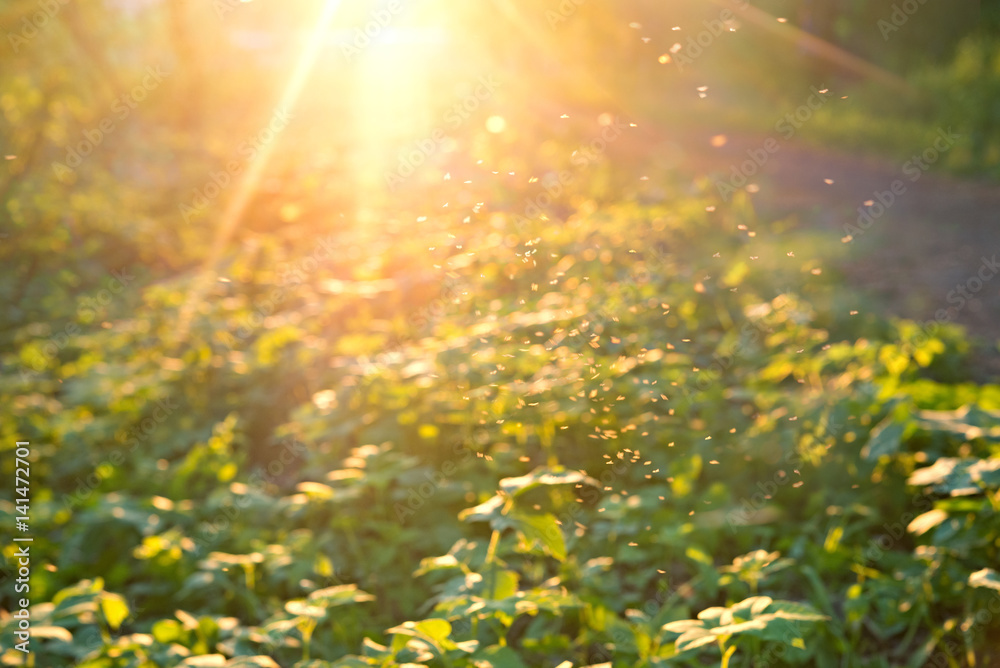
(53, 632)
(926, 521)
(545, 476)
(205, 661)
(303, 609)
(261, 661)
(339, 595)
(114, 609)
(959, 477)
(486, 511)
(987, 577)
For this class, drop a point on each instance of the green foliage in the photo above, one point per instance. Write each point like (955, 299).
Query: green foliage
(643, 433)
(757, 617)
(655, 464)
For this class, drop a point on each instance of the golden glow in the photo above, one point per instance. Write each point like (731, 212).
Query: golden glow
(496, 124)
(251, 177)
(393, 101)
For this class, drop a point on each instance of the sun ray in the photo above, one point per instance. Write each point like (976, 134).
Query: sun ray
(236, 206)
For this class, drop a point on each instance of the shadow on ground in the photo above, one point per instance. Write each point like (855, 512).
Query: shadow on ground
(932, 252)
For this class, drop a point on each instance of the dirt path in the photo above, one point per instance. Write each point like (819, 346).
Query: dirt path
(935, 236)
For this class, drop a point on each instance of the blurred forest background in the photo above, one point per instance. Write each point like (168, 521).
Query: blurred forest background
(503, 333)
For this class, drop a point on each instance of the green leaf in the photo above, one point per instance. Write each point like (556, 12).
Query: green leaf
(712, 614)
(373, 650)
(435, 632)
(354, 662)
(433, 564)
(85, 589)
(694, 639)
(540, 527)
(114, 609)
(204, 661)
(505, 583)
(498, 657)
(969, 422)
(282, 626)
(683, 626)
(758, 624)
(559, 475)
(339, 595)
(750, 607)
(959, 476)
(168, 631)
(819, 587)
(260, 661)
(795, 611)
(773, 628)
(759, 616)
(53, 632)
(554, 599)
(986, 577)
(886, 439)
(924, 522)
(760, 604)
(697, 554)
(219, 560)
(301, 608)
(208, 627)
(486, 511)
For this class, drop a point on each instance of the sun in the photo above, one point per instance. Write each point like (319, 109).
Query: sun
(399, 52)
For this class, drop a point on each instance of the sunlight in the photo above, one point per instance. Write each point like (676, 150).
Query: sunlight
(394, 97)
(251, 178)
(515, 333)
(398, 55)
